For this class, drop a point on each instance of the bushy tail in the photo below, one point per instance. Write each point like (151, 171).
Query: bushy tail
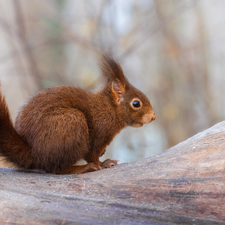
(12, 148)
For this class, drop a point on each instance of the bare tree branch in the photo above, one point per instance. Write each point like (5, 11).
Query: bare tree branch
(22, 36)
(150, 31)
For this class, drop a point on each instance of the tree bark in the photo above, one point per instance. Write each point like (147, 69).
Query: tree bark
(184, 185)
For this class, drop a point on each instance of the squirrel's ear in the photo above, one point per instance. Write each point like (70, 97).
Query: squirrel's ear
(118, 89)
(112, 71)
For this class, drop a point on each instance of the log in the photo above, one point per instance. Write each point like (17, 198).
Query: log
(183, 185)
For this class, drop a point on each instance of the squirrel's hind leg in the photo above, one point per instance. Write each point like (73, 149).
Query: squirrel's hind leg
(90, 167)
(61, 139)
(81, 169)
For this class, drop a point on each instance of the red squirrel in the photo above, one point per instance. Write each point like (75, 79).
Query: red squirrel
(61, 125)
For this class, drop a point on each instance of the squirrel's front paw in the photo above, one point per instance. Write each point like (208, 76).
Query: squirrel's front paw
(108, 163)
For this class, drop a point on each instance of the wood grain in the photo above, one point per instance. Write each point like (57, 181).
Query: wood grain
(184, 185)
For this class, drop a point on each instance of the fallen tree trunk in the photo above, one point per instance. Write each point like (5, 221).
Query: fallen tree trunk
(184, 185)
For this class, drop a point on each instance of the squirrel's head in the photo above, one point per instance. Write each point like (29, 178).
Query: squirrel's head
(131, 104)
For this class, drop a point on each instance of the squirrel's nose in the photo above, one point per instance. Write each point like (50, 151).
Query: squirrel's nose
(148, 118)
(153, 117)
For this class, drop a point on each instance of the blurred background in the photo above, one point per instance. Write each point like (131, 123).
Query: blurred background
(172, 50)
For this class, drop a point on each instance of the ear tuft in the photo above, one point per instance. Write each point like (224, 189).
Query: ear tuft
(112, 70)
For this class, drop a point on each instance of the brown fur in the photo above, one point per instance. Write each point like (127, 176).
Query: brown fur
(64, 124)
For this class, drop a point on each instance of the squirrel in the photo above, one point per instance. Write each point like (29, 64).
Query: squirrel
(61, 125)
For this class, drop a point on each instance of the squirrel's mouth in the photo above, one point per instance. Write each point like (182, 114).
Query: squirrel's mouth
(137, 125)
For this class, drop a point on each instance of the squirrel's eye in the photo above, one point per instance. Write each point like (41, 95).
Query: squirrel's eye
(136, 104)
